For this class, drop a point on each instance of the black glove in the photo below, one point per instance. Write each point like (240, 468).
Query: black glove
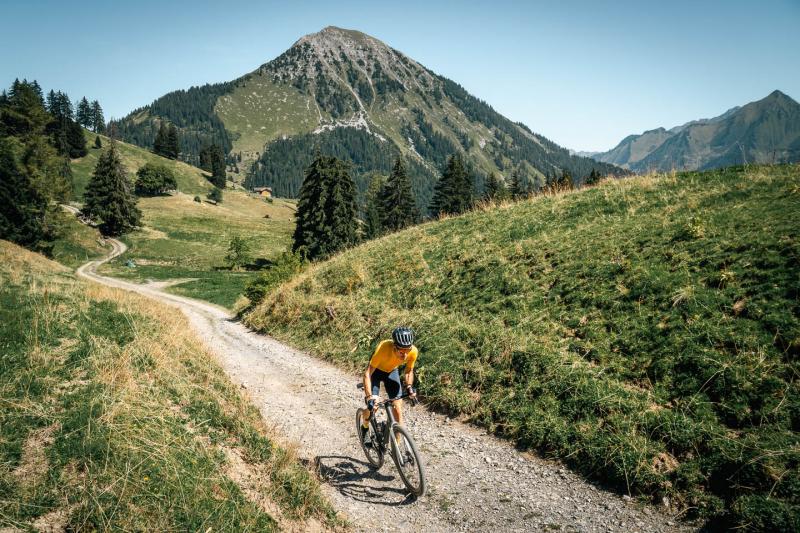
(411, 391)
(370, 404)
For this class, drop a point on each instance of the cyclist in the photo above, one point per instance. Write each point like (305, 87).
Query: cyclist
(384, 368)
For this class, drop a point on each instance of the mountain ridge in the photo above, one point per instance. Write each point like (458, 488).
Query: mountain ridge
(348, 93)
(764, 131)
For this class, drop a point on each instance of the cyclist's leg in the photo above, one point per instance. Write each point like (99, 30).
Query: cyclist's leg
(395, 389)
(377, 377)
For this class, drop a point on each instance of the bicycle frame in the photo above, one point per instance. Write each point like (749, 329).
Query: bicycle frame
(390, 420)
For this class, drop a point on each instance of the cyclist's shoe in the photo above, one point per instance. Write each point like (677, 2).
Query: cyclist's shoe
(365, 434)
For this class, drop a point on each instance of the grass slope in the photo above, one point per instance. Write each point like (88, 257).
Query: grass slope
(190, 179)
(113, 417)
(646, 331)
(184, 239)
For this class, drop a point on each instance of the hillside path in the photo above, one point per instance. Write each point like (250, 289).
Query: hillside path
(476, 482)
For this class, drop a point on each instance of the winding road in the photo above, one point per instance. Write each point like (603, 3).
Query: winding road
(476, 482)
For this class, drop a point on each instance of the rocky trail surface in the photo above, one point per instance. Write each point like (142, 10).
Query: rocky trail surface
(475, 482)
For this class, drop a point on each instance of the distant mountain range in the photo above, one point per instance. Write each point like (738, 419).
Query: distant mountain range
(766, 131)
(350, 95)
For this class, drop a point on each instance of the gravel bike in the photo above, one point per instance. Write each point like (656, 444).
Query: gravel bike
(387, 434)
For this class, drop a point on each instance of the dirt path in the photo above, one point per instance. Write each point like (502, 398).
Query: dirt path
(476, 482)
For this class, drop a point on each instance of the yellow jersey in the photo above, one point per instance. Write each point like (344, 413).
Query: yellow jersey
(386, 359)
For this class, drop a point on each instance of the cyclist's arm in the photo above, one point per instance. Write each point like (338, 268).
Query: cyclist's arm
(368, 381)
(408, 376)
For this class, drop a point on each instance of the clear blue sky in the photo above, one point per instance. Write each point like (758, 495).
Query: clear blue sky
(584, 74)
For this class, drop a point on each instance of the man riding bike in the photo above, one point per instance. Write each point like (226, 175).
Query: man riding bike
(384, 368)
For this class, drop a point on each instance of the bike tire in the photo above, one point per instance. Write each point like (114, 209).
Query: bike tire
(413, 477)
(373, 454)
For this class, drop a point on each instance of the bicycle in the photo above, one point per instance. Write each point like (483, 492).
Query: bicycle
(382, 436)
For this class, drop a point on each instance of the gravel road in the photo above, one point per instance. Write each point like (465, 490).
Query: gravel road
(476, 482)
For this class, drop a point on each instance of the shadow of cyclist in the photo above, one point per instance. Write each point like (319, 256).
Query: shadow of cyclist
(357, 480)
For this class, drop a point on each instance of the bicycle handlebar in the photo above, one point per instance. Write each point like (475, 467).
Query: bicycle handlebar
(381, 402)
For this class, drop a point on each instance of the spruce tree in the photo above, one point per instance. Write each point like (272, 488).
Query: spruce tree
(98, 122)
(83, 114)
(326, 210)
(22, 207)
(565, 181)
(76, 141)
(453, 193)
(160, 142)
(173, 145)
(218, 173)
(398, 208)
(593, 178)
(97, 142)
(494, 189)
(372, 207)
(108, 197)
(518, 188)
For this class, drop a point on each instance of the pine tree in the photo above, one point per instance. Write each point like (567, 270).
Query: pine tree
(495, 189)
(398, 208)
(326, 210)
(173, 145)
(593, 178)
(218, 173)
(518, 187)
(22, 207)
(565, 181)
(76, 141)
(83, 114)
(98, 122)
(109, 198)
(372, 207)
(453, 193)
(97, 142)
(160, 143)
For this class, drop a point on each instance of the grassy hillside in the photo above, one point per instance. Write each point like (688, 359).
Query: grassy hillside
(190, 179)
(115, 418)
(646, 331)
(188, 240)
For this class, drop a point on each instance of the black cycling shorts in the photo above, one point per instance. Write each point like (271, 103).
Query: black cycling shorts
(390, 380)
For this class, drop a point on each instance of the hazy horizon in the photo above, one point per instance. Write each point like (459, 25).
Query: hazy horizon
(582, 75)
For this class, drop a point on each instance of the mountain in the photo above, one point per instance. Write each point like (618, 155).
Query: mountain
(765, 131)
(350, 95)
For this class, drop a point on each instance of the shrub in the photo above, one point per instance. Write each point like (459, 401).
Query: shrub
(215, 195)
(282, 269)
(153, 179)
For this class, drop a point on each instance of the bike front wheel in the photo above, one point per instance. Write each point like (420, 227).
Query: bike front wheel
(408, 460)
(371, 443)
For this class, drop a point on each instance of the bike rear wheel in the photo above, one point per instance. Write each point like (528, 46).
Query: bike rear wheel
(373, 451)
(408, 461)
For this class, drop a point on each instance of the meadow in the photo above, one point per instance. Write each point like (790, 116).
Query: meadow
(645, 331)
(114, 417)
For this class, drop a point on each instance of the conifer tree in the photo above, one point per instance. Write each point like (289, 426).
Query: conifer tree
(173, 145)
(453, 193)
(160, 142)
(108, 197)
(494, 189)
(593, 178)
(372, 207)
(98, 122)
(83, 114)
(519, 189)
(76, 141)
(326, 209)
(215, 195)
(216, 163)
(398, 208)
(97, 142)
(22, 207)
(565, 181)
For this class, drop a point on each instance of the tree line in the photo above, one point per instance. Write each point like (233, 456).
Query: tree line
(38, 136)
(327, 208)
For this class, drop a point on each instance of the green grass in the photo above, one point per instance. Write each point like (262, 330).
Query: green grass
(76, 243)
(191, 180)
(646, 331)
(182, 238)
(185, 239)
(113, 417)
